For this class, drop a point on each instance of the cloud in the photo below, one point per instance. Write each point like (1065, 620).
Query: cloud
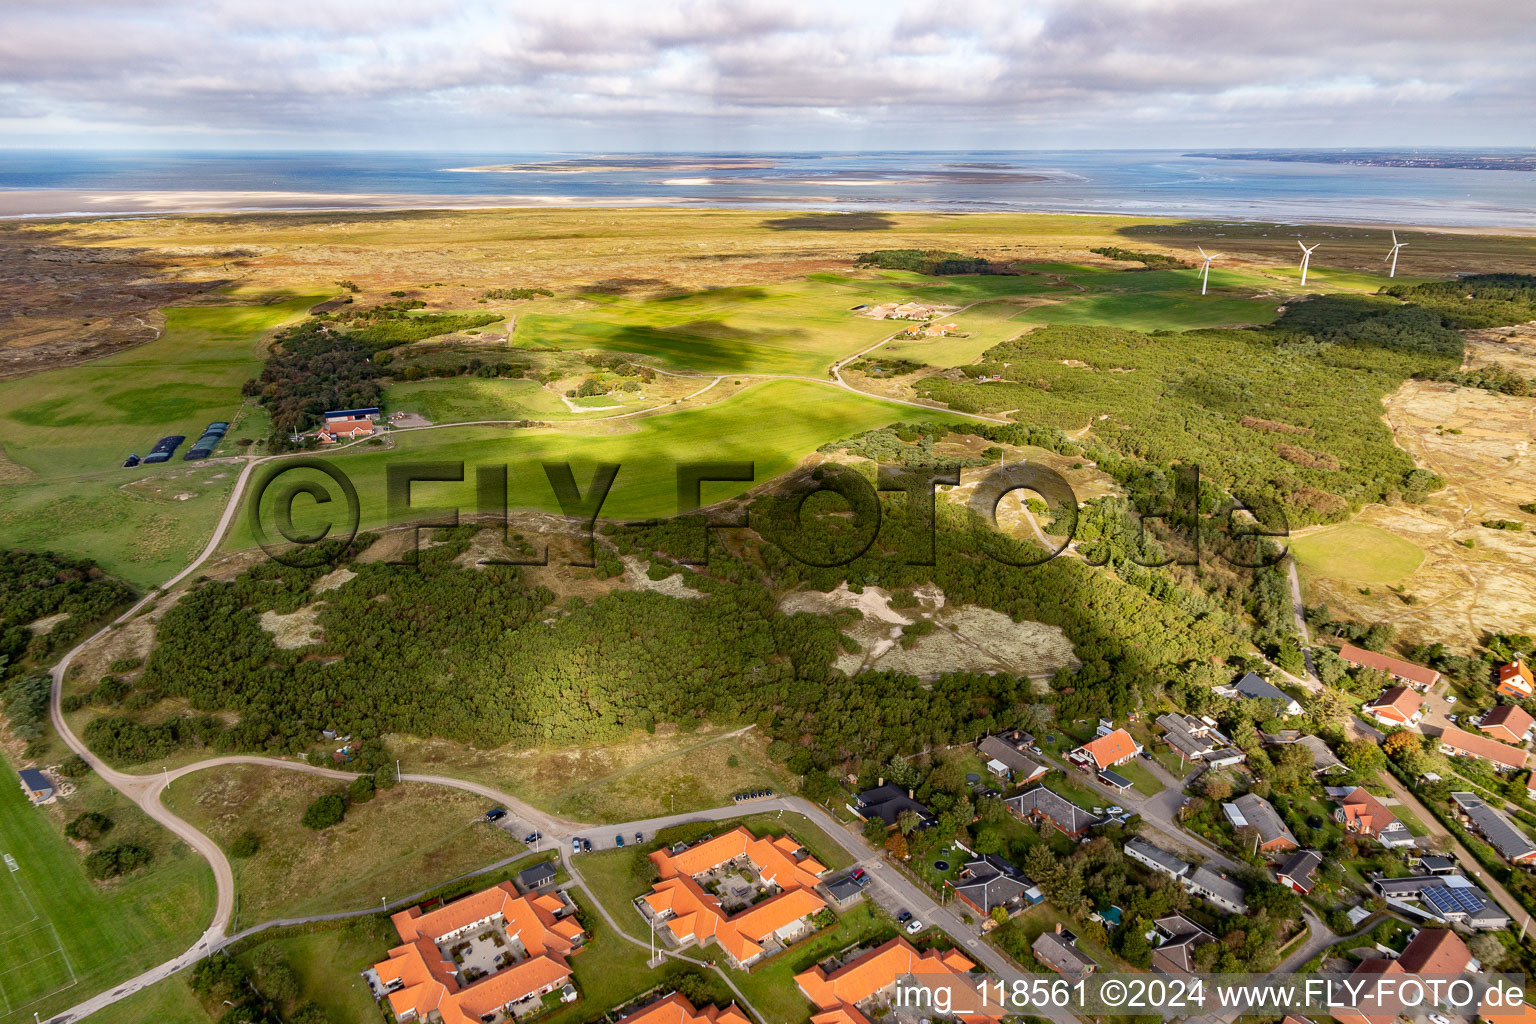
(408, 73)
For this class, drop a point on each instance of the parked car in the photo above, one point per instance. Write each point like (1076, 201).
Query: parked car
(1439, 1018)
(576, 845)
(130, 462)
(1117, 809)
(618, 840)
(904, 917)
(495, 814)
(1454, 718)
(532, 837)
(914, 926)
(860, 876)
(639, 837)
(586, 845)
(1450, 698)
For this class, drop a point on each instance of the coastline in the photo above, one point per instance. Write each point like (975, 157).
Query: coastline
(45, 204)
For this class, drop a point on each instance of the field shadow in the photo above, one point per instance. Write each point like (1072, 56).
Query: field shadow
(832, 222)
(625, 285)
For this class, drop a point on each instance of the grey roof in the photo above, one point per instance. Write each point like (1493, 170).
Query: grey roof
(1067, 815)
(1054, 951)
(1157, 855)
(34, 780)
(537, 874)
(1261, 814)
(1433, 862)
(992, 891)
(1497, 829)
(1115, 779)
(844, 889)
(887, 802)
(1188, 735)
(1323, 757)
(1255, 688)
(1019, 763)
(1302, 865)
(1208, 881)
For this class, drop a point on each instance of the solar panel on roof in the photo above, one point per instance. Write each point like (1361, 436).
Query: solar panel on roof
(1447, 900)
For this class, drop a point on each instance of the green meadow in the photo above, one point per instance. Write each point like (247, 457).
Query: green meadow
(64, 937)
(65, 434)
(461, 399)
(1153, 300)
(1356, 553)
(773, 425)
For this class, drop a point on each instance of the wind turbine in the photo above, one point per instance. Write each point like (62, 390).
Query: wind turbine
(1396, 245)
(1205, 271)
(1306, 258)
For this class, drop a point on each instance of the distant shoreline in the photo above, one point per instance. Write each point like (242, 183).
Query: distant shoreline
(1448, 160)
(85, 204)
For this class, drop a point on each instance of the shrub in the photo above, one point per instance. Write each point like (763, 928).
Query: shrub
(89, 826)
(245, 845)
(360, 790)
(74, 767)
(116, 860)
(326, 811)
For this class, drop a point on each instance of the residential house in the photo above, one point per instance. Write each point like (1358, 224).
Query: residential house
(452, 968)
(1460, 743)
(888, 802)
(1507, 723)
(844, 891)
(1300, 871)
(1255, 811)
(540, 876)
(1324, 760)
(1363, 815)
(1042, 805)
(1517, 680)
(1449, 898)
(1397, 706)
(36, 785)
(1254, 687)
(1007, 757)
(1511, 842)
(989, 882)
(1058, 951)
(683, 911)
(843, 994)
(675, 1009)
(1416, 676)
(1435, 864)
(349, 430)
(1177, 938)
(1198, 881)
(1438, 952)
(1106, 751)
(1197, 739)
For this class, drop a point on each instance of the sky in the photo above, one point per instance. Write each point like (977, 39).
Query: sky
(579, 75)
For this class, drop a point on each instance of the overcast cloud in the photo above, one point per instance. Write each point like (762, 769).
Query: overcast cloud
(767, 74)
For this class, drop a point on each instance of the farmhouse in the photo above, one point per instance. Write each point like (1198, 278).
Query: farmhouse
(1116, 747)
(36, 785)
(1058, 951)
(888, 802)
(686, 912)
(1397, 706)
(857, 984)
(1460, 743)
(1040, 804)
(1416, 676)
(349, 430)
(1362, 814)
(490, 953)
(1196, 739)
(339, 415)
(674, 1009)
(1255, 811)
(1177, 939)
(1299, 872)
(1516, 679)
(1253, 687)
(1006, 757)
(1514, 844)
(1507, 723)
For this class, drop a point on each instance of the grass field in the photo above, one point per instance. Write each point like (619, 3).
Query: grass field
(63, 937)
(165, 1002)
(71, 428)
(988, 324)
(457, 399)
(772, 424)
(1357, 553)
(405, 840)
(1159, 300)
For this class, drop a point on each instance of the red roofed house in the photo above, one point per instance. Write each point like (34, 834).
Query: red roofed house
(452, 965)
(845, 993)
(1507, 723)
(1397, 705)
(1362, 814)
(1112, 748)
(683, 910)
(1460, 743)
(1416, 676)
(1434, 952)
(674, 1009)
(349, 429)
(1516, 679)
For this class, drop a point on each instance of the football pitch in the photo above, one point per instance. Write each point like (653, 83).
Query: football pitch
(33, 964)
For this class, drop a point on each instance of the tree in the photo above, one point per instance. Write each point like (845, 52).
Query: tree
(1215, 787)
(1401, 744)
(874, 832)
(360, 790)
(908, 820)
(1328, 706)
(326, 811)
(896, 845)
(1489, 950)
(999, 913)
(1363, 757)
(88, 826)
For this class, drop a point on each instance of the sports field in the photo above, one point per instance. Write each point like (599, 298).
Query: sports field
(63, 937)
(772, 424)
(1357, 553)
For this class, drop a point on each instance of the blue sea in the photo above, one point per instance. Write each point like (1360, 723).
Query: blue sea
(1152, 183)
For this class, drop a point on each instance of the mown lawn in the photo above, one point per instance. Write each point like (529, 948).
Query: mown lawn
(1357, 553)
(771, 986)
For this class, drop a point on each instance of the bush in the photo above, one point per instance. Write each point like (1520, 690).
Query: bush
(360, 790)
(89, 826)
(245, 845)
(116, 860)
(326, 811)
(74, 767)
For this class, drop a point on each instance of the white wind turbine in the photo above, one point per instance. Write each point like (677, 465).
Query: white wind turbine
(1205, 271)
(1306, 258)
(1396, 245)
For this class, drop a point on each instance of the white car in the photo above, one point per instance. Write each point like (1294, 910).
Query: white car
(914, 926)
(1450, 698)
(1117, 809)
(1439, 1018)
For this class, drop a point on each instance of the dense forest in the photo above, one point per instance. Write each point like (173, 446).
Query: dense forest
(933, 262)
(38, 585)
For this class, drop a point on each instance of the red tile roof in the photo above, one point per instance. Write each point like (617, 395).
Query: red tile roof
(1516, 679)
(1399, 703)
(1435, 951)
(840, 992)
(1416, 674)
(1454, 740)
(1110, 749)
(1368, 815)
(1507, 722)
(674, 1009)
